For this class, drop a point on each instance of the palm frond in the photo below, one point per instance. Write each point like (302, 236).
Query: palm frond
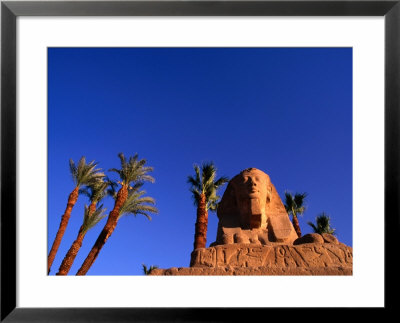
(300, 210)
(194, 183)
(133, 159)
(288, 202)
(112, 187)
(221, 181)
(208, 174)
(136, 204)
(197, 172)
(204, 183)
(119, 172)
(312, 225)
(133, 170)
(72, 169)
(294, 204)
(146, 210)
(299, 199)
(213, 203)
(85, 191)
(142, 176)
(91, 219)
(212, 206)
(122, 159)
(323, 224)
(195, 196)
(85, 173)
(98, 190)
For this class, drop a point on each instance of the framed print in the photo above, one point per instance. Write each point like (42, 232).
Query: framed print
(290, 107)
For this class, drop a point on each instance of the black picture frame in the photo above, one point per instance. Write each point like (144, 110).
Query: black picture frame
(10, 10)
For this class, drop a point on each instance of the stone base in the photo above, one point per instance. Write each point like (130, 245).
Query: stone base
(260, 271)
(248, 259)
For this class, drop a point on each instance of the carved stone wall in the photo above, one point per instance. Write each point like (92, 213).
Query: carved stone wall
(247, 259)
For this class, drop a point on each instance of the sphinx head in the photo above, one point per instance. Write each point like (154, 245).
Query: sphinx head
(251, 201)
(252, 191)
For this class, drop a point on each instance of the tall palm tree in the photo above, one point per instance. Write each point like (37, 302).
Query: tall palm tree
(82, 174)
(204, 192)
(90, 219)
(95, 192)
(132, 171)
(323, 224)
(148, 270)
(295, 207)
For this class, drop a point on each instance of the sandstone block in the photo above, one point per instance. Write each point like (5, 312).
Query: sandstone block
(329, 238)
(309, 238)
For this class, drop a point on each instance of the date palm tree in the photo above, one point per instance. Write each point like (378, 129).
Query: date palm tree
(90, 219)
(295, 207)
(204, 192)
(95, 192)
(82, 174)
(323, 224)
(132, 171)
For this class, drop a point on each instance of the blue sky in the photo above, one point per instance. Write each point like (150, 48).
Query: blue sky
(286, 111)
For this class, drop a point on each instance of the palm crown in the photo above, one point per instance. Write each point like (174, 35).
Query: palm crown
(294, 205)
(98, 190)
(204, 183)
(91, 219)
(323, 224)
(136, 204)
(85, 174)
(133, 170)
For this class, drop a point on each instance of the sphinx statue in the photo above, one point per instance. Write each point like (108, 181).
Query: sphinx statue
(255, 237)
(251, 211)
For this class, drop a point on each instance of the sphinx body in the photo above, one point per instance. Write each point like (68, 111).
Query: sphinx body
(251, 211)
(256, 237)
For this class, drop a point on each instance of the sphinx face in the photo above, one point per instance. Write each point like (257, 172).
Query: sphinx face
(251, 190)
(251, 185)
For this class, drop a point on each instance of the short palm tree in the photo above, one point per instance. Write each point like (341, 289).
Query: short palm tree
(148, 270)
(132, 171)
(90, 219)
(323, 224)
(82, 174)
(204, 188)
(295, 207)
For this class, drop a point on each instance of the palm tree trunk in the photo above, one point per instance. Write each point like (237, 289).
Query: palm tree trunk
(92, 207)
(200, 235)
(75, 247)
(296, 225)
(105, 233)
(73, 197)
(71, 254)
